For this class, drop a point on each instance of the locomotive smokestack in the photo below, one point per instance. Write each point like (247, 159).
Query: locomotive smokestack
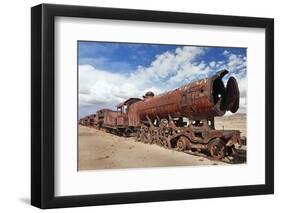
(147, 95)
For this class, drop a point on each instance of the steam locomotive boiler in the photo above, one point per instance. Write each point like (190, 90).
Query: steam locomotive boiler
(183, 119)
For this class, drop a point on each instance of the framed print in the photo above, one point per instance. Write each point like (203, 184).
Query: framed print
(140, 106)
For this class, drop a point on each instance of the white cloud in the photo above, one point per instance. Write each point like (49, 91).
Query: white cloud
(168, 71)
(99, 86)
(225, 52)
(212, 64)
(169, 65)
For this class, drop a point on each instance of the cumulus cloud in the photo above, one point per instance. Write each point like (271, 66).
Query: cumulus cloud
(172, 67)
(103, 88)
(98, 86)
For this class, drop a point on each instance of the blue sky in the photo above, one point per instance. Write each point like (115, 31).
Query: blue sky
(112, 72)
(119, 57)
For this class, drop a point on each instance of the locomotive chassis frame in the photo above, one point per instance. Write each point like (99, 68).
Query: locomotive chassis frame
(43, 102)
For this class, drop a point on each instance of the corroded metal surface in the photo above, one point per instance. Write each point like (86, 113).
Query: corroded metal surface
(201, 99)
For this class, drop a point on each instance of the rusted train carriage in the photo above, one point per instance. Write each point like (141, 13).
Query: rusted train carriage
(162, 119)
(88, 120)
(105, 118)
(113, 121)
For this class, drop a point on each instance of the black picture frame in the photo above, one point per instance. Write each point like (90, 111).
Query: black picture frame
(43, 114)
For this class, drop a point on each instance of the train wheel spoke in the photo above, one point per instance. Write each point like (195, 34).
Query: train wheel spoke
(182, 143)
(217, 149)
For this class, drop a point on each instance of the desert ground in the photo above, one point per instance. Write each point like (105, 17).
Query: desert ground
(100, 150)
(236, 121)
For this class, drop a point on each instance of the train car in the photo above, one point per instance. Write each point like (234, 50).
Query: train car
(124, 118)
(91, 120)
(100, 117)
(112, 121)
(81, 121)
(88, 120)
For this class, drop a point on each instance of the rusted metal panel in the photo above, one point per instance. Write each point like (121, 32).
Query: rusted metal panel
(110, 117)
(122, 120)
(105, 116)
(160, 106)
(133, 116)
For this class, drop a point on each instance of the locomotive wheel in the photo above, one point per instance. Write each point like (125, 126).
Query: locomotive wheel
(146, 137)
(152, 139)
(127, 132)
(217, 149)
(164, 142)
(143, 134)
(182, 143)
(138, 136)
(149, 138)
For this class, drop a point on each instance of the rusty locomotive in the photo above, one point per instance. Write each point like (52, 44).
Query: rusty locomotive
(182, 119)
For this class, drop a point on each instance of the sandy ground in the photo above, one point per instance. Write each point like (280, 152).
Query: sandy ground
(234, 122)
(101, 150)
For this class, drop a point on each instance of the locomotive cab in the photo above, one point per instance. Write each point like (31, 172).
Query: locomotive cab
(122, 115)
(122, 111)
